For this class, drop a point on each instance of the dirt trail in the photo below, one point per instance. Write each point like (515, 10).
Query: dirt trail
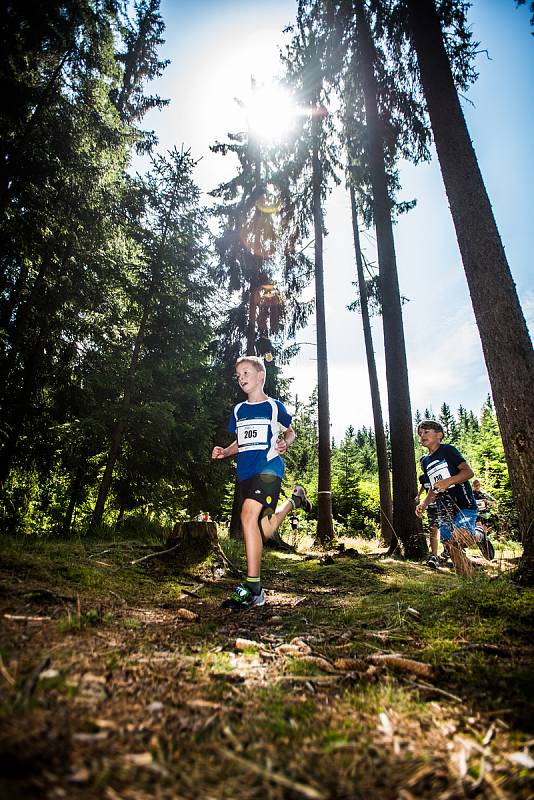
(167, 696)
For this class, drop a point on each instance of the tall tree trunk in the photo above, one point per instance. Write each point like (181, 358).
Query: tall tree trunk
(325, 527)
(251, 322)
(75, 493)
(120, 423)
(406, 526)
(503, 332)
(386, 506)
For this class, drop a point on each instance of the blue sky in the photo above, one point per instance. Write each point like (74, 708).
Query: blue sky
(215, 47)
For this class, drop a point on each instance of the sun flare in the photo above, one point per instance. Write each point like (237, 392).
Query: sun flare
(271, 112)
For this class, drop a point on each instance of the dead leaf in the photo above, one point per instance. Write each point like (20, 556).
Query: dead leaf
(246, 644)
(138, 759)
(489, 734)
(49, 674)
(105, 724)
(90, 737)
(89, 677)
(81, 775)
(203, 704)
(386, 724)
(521, 758)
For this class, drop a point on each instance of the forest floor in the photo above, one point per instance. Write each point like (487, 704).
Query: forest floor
(362, 678)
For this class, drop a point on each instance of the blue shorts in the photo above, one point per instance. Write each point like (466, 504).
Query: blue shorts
(465, 518)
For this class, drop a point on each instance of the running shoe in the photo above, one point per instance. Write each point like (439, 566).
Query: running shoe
(433, 562)
(244, 598)
(486, 547)
(300, 499)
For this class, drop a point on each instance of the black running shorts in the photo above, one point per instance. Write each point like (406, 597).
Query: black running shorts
(264, 488)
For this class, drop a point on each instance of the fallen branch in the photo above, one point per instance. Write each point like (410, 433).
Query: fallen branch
(5, 672)
(22, 618)
(275, 777)
(153, 555)
(430, 688)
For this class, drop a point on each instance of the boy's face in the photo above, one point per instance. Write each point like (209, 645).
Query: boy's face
(430, 438)
(248, 377)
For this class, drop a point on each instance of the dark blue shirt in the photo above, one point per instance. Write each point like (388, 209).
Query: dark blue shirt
(444, 463)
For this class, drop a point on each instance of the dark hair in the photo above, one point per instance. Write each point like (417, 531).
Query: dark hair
(430, 425)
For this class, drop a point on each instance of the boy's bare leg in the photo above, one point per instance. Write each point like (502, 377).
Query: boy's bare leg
(250, 513)
(270, 525)
(461, 538)
(434, 540)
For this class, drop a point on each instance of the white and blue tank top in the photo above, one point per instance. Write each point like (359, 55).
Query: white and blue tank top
(257, 427)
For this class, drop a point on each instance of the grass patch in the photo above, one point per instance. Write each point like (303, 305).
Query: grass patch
(73, 623)
(282, 715)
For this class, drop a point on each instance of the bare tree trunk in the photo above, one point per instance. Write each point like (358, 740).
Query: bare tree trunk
(503, 332)
(407, 527)
(325, 527)
(75, 493)
(386, 506)
(251, 325)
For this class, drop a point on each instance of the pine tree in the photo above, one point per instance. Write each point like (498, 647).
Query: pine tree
(386, 507)
(172, 254)
(313, 166)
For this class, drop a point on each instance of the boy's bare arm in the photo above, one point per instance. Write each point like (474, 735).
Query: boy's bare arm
(421, 508)
(225, 452)
(283, 443)
(464, 474)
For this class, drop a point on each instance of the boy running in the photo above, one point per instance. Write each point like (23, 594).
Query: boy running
(448, 474)
(257, 423)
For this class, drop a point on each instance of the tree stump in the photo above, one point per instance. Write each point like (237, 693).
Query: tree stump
(194, 541)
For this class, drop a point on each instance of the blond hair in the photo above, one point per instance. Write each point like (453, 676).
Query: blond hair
(256, 362)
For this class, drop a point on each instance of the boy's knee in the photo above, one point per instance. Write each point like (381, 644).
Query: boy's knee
(249, 514)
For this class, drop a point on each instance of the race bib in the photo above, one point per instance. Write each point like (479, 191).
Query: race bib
(437, 472)
(252, 433)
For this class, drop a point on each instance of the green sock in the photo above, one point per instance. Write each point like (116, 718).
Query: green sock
(254, 584)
